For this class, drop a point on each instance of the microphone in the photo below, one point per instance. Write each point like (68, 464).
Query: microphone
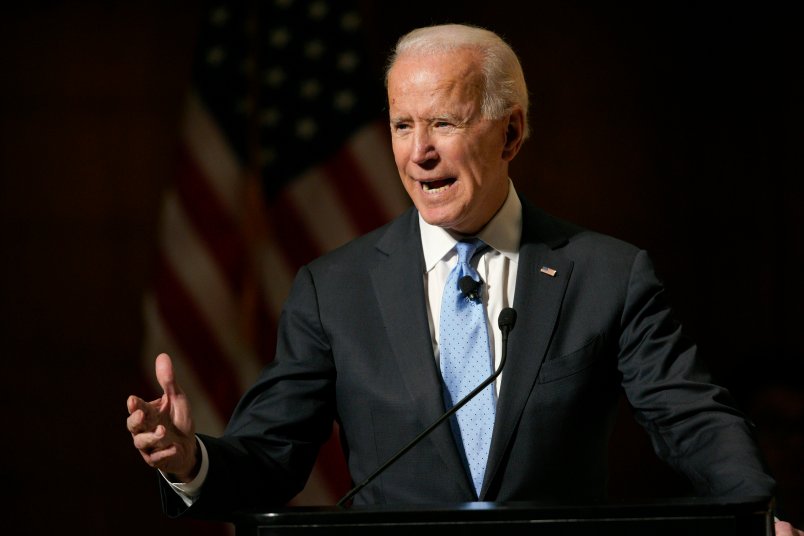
(469, 287)
(506, 322)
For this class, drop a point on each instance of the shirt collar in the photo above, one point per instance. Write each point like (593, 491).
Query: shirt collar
(503, 233)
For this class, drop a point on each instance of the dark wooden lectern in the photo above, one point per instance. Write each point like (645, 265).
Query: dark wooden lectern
(677, 517)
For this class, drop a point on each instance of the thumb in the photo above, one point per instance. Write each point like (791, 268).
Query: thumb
(174, 402)
(165, 377)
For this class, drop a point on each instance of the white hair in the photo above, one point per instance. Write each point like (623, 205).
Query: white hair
(503, 80)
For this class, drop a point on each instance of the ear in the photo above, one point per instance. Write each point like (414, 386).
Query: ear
(514, 134)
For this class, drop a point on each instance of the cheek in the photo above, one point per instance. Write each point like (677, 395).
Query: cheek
(483, 159)
(400, 153)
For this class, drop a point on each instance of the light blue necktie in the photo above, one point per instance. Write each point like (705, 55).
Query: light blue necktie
(465, 358)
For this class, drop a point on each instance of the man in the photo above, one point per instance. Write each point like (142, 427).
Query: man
(367, 335)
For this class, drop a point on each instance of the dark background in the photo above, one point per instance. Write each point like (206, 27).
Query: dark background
(675, 127)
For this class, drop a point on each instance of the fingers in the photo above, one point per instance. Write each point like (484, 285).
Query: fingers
(138, 414)
(133, 403)
(142, 415)
(161, 459)
(156, 446)
(151, 440)
(170, 453)
(159, 448)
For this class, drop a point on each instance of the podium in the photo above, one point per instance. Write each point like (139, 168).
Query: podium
(677, 517)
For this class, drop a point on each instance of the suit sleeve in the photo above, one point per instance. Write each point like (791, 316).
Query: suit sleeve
(694, 424)
(271, 442)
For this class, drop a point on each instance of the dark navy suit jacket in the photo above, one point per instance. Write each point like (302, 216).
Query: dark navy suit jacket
(354, 345)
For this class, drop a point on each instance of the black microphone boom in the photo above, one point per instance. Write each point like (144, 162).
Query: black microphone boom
(506, 321)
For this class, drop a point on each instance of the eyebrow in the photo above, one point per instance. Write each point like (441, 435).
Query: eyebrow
(451, 118)
(438, 117)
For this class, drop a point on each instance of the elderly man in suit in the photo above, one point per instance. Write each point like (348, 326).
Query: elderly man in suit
(371, 334)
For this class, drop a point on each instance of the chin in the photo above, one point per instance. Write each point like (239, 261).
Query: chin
(442, 221)
(436, 221)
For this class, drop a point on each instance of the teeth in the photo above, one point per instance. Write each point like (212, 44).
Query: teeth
(436, 186)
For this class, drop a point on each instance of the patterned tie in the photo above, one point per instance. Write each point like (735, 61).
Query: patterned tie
(466, 362)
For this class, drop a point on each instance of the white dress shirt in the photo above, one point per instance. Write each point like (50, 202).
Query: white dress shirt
(497, 267)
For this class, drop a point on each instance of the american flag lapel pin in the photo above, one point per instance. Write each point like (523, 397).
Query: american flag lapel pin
(549, 271)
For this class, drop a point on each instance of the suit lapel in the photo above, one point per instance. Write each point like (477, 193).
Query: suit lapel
(537, 301)
(398, 283)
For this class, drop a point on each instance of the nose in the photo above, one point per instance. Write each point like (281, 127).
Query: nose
(423, 148)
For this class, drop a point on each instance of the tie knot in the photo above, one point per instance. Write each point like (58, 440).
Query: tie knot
(467, 248)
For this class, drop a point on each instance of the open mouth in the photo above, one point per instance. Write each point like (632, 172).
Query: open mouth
(438, 185)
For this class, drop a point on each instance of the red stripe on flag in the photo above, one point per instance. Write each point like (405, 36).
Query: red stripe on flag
(354, 191)
(191, 333)
(211, 220)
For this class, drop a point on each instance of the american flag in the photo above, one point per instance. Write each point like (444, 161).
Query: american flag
(283, 156)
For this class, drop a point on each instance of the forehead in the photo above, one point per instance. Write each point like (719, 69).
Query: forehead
(448, 77)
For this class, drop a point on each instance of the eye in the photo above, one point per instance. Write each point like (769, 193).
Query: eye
(442, 124)
(399, 126)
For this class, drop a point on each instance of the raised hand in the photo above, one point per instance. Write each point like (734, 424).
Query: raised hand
(163, 429)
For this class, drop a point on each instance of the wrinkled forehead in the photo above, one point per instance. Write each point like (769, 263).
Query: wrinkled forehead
(456, 72)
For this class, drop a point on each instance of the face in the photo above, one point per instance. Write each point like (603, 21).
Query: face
(452, 161)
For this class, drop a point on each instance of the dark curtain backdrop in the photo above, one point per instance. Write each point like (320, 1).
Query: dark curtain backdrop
(676, 127)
